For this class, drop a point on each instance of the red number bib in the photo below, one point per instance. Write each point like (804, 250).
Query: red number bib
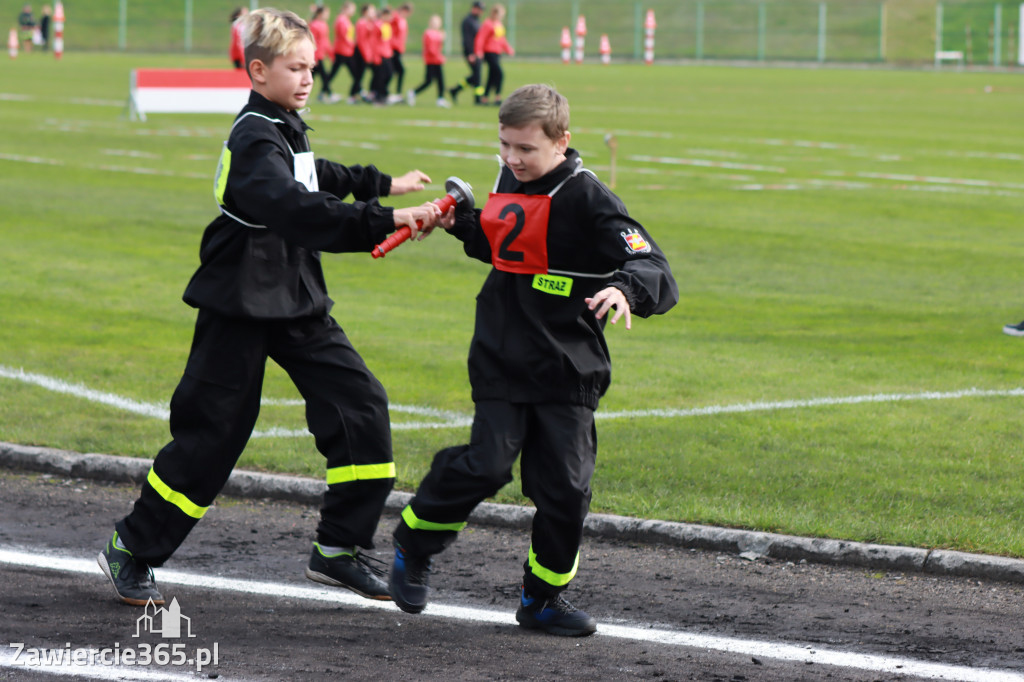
(516, 226)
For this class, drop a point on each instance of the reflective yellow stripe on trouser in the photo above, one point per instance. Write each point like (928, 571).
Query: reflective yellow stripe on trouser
(360, 472)
(174, 497)
(417, 523)
(549, 576)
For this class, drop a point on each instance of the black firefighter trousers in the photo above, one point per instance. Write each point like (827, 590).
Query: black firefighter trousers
(559, 449)
(214, 410)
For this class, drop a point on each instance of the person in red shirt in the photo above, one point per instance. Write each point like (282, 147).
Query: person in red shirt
(399, 36)
(236, 52)
(366, 43)
(433, 58)
(384, 53)
(322, 39)
(489, 46)
(345, 48)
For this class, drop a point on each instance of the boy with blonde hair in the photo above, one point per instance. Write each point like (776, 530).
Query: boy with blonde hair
(260, 293)
(564, 252)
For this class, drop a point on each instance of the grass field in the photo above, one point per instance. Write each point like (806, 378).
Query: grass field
(836, 234)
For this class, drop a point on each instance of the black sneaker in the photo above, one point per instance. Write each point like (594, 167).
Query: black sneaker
(351, 570)
(132, 580)
(1014, 329)
(555, 616)
(409, 581)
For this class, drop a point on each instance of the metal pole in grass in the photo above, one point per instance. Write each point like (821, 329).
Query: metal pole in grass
(998, 47)
(882, 27)
(638, 29)
(938, 31)
(449, 27)
(512, 22)
(762, 20)
(122, 25)
(188, 25)
(822, 20)
(700, 30)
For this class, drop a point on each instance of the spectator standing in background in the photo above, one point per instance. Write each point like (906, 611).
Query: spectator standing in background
(366, 41)
(470, 27)
(385, 53)
(44, 27)
(489, 46)
(345, 47)
(236, 52)
(322, 46)
(26, 27)
(399, 37)
(433, 59)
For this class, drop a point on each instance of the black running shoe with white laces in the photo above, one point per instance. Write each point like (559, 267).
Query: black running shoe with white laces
(351, 570)
(132, 580)
(1014, 329)
(409, 582)
(555, 616)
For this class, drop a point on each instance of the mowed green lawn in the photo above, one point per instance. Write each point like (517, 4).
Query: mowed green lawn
(836, 234)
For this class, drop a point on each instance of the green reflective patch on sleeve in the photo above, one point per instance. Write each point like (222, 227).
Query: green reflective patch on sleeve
(220, 181)
(553, 284)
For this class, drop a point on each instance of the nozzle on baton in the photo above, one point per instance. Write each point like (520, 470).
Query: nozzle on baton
(458, 192)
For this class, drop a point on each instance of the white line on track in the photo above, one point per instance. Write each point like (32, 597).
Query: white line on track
(447, 419)
(730, 645)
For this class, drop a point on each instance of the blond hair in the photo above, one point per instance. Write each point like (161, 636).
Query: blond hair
(270, 33)
(540, 104)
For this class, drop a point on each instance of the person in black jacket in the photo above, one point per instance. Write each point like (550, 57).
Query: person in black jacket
(564, 253)
(260, 294)
(470, 27)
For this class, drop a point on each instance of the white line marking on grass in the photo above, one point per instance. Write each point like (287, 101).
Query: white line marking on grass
(705, 163)
(732, 645)
(814, 402)
(448, 419)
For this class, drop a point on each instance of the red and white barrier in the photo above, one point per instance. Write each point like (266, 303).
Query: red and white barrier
(581, 35)
(12, 43)
(649, 26)
(58, 30)
(566, 45)
(606, 49)
(187, 91)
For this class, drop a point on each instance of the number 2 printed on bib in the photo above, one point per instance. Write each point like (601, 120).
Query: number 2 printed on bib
(516, 226)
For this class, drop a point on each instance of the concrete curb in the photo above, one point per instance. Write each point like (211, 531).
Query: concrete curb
(749, 544)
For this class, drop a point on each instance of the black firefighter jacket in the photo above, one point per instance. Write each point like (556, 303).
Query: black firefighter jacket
(270, 267)
(534, 347)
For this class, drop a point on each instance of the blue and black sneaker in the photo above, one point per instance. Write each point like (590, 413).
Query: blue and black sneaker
(132, 580)
(555, 616)
(348, 568)
(409, 581)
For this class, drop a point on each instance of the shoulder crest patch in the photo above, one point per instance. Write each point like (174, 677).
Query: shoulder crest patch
(635, 242)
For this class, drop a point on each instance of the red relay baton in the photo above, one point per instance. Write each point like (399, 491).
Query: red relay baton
(458, 192)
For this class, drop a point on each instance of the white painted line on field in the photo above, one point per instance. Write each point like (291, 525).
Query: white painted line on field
(447, 419)
(731, 645)
(705, 163)
(157, 411)
(814, 402)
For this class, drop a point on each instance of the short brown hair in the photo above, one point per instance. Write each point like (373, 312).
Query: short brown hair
(270, 33)
(537, 103)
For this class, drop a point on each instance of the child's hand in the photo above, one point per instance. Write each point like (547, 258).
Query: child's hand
(608, 298)
(427, 215)
(413, 181)
(447, 221)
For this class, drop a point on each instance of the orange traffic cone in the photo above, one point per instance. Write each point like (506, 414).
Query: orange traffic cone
(606, 49)
(566, 45)
(12, 43)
